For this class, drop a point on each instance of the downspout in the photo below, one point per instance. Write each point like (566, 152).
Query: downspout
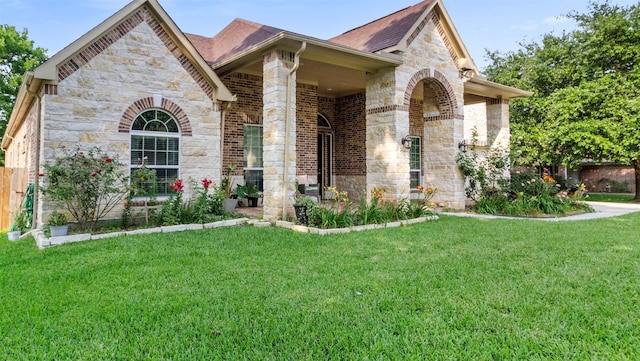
(36, 183)
(223, 114)
(296, 65)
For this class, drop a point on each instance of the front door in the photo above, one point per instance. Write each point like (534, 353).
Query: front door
(324, 161)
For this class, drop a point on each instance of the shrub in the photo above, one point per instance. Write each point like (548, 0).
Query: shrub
(88, 184)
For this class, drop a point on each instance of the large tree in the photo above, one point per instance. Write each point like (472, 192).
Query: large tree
(586, 84)
(17, 55)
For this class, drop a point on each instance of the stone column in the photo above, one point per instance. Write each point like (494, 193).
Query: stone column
(498, 123)
(387, 124)
(441, 148)
(277, 190)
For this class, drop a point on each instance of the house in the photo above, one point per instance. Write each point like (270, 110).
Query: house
(384, 105)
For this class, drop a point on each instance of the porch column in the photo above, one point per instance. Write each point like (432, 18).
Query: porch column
(441, 148)
(276, 84)
(387, 123)
(498, 122)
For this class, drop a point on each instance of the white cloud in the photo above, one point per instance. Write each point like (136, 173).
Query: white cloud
(528, 26)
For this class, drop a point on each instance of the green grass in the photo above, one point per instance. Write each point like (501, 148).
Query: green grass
(610, 197)
(458, 288)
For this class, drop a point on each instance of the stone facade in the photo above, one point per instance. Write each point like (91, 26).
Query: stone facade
(90, 104)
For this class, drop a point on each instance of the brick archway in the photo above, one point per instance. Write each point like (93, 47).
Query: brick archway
(149, 103)
(444, 93)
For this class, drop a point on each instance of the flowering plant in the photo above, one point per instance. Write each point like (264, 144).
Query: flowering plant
(173, 210)
(88, 184)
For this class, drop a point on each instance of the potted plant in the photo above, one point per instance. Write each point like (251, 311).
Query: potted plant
(229, 203)
(58, 224)
(252, 194)
(304, 206)
(20, 223)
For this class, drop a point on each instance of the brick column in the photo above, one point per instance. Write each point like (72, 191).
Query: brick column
(276, 68)
(387, 123)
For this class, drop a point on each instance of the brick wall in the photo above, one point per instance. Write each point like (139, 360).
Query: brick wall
(350, 135)
(247, 110)
(306, 129)
(591, 175)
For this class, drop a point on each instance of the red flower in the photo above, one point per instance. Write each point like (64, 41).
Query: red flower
(41, 175)
(108, 160)
(206, 183)
(177, 187)
(94, 174)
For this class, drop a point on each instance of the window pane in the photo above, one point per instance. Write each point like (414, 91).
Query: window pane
(254, 177)
(415, 179)
(172, 158)
(253, 146)
(172, 144)
(415, 161)
(155, 150)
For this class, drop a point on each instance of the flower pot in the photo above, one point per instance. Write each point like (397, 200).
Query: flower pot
(301, 213)
(13, 235)
(253, 201)
(229, 204)
(59, 231)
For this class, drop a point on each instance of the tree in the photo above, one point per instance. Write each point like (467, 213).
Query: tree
(17, 56)
(586, 84)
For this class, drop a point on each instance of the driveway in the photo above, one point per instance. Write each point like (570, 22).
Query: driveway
(602, 210)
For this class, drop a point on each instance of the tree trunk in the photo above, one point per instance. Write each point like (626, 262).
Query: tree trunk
(636, 168)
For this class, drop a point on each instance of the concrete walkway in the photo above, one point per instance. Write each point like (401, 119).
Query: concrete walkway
(602, 210)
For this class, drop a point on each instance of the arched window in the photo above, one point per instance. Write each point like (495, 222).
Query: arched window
(155, 143)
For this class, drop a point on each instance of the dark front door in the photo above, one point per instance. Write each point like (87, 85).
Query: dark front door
(324, 161)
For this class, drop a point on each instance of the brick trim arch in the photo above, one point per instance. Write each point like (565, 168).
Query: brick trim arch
(148, 103)
(445, 95)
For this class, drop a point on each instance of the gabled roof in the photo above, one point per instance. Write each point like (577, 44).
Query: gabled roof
(236, 37)
(385, 32)
(49, 70)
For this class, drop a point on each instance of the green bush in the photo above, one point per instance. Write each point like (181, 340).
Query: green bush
(88, 185)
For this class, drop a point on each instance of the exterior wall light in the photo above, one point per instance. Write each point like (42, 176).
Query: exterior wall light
(406, 141)
(463, 146)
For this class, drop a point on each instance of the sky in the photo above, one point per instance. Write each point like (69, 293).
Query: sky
(482, 24)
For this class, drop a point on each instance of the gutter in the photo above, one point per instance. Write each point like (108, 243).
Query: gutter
(36, 187)
(287, 125)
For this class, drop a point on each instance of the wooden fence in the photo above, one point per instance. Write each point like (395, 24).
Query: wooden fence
(11, 197)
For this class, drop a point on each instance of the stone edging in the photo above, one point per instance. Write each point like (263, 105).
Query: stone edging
(44, 242)
(324, 232)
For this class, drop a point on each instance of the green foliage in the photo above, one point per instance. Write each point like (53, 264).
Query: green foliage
(586, 86)
(483, 171)
(21, 221)
(17, 56)
(614, 185)
(206, 207)
(57, 219)
(340, 214)
(173, 210)
(88, 184)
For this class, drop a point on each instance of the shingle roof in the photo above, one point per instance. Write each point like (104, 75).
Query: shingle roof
(239, 35)
(385, 32)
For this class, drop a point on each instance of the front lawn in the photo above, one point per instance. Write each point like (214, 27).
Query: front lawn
(610, 197)
(458, 288)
